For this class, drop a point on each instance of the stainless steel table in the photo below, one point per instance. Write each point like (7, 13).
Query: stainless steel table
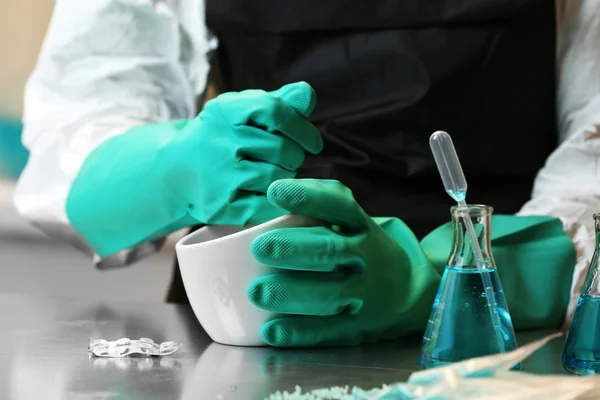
(43, 355)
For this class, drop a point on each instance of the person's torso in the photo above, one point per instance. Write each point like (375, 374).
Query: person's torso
(389, 73)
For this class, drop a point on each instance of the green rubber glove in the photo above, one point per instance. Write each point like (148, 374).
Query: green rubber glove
(535, 260)
(357, 280)
(367, 279)
(214, 169)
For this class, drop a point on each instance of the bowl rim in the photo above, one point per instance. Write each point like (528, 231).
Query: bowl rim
(181, 244)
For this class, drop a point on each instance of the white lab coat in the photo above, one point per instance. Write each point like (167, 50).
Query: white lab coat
(108, 65)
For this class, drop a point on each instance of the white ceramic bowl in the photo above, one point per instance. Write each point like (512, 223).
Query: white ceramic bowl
(216, 267)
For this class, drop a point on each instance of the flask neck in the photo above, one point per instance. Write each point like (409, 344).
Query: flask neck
(462, 253)
(597, 228)
(591, 286)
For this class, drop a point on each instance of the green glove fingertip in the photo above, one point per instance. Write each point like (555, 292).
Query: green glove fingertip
(270, 246)
(299, 95)
(266, 294)
(286, 193)
(275, 334)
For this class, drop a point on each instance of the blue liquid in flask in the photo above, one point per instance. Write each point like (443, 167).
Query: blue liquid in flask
(460, 326)
(582, 350)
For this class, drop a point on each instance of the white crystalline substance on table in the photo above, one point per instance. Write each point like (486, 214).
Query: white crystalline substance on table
(396, 392)
(125, 346)
(336, 393)
(488, 378)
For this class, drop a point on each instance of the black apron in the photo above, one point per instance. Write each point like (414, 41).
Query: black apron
(388, 73)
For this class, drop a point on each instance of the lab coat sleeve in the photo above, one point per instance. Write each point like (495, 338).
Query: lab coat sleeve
(568, 186)
(105, 66)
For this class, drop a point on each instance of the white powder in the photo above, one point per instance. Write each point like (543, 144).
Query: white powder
(333, 393)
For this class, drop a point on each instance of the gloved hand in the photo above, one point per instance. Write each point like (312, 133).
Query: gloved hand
(535, 260)
(358, 280)
(214, 169)
(365, 279)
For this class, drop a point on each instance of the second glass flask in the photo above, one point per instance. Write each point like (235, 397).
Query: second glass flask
(460, 325)
(582, 349)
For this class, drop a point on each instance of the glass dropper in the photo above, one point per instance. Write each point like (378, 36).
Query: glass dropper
(455, 184)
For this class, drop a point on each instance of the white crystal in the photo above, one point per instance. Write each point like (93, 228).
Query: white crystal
(125, 346)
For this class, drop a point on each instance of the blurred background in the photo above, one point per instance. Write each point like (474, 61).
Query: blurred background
(29, 261)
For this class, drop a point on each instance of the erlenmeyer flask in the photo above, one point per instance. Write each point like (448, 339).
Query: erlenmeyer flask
(460, 324)
(582, 350)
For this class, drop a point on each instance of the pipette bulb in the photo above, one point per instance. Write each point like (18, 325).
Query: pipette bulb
(448, 165)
